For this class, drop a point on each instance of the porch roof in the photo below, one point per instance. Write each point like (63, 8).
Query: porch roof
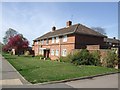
(44, 48)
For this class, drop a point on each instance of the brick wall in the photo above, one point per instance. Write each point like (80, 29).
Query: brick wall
(93, 47)
(83, 40)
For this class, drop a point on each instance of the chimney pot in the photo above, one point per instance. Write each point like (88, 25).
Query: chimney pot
(114, 38)
(69, 23)
(53, 28)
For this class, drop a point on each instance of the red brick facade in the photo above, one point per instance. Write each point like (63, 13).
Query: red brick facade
(68, 46)
(73, 42)
(65, 40)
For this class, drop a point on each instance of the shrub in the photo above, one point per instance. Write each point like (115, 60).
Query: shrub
(41, 56)
(111, 59)
(65, 59)
(83, 57)
(96, 57)
(27, 53)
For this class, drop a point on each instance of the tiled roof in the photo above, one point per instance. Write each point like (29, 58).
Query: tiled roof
(77, 28)
(110, 40)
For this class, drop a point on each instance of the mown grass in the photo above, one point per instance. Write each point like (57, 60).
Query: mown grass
(38, 71)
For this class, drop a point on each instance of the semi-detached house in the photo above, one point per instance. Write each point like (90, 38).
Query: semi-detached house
(60, 42)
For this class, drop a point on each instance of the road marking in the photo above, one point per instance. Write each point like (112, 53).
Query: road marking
(11, 82)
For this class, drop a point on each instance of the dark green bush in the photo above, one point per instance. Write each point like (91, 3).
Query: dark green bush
(111, 59)
(96, 56)
(83, 57)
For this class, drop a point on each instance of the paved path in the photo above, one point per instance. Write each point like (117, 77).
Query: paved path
(9, 75)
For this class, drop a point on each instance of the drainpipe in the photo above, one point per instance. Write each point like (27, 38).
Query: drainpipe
(59, 47)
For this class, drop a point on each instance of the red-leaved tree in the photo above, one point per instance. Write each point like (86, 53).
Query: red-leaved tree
(18, 42)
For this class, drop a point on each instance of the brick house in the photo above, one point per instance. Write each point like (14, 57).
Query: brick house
(112, 42)
(60, 42)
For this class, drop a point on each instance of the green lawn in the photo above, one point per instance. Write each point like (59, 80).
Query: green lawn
(39, 71)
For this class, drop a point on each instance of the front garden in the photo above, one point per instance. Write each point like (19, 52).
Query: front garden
(38, 71)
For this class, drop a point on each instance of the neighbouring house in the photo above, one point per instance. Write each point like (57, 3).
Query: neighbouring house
(111, 42)
(60, 42)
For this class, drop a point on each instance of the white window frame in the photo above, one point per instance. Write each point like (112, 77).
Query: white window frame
(65, 38)
(41, 51)
(47, 41)
(64, 53)
(42, 42)
(37, 42)
(52, 51)
(57, 39)
(53, 39)
(57, 53)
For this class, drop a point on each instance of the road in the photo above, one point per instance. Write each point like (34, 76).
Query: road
(107, 81)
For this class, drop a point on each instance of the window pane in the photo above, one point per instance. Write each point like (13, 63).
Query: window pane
(57, 52)
(57, 39)
(53, 40)
(52, 52)
(65, 38)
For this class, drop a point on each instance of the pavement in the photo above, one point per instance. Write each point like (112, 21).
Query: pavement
(10, 76)
(12, 79)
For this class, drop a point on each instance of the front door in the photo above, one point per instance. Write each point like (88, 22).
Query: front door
(46, 53)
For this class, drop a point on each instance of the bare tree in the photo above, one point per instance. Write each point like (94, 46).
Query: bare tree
(10, 32)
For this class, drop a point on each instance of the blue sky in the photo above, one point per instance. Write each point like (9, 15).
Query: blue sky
(33, 19)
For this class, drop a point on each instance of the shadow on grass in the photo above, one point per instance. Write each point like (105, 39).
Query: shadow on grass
(26, 69)
(10, 58)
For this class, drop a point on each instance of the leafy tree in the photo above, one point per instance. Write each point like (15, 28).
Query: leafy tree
(18, 42)
(9, 33)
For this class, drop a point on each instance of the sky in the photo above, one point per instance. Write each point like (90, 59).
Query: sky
(33, 19)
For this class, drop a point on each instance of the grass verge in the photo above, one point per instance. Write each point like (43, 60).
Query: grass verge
(38, 71)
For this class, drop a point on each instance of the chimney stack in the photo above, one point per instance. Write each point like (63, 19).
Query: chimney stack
(114, 38)
(53, 28)
(69, 23)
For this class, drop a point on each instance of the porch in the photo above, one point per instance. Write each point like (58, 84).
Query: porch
(44, 52)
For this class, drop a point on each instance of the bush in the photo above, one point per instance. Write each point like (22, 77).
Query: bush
(83, 57)
(111, 59)
(27, 53)
(65, 59)
(96, 57)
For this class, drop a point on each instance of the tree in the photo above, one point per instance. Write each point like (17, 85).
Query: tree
(100, 30)
(9, 33)
(18, 42)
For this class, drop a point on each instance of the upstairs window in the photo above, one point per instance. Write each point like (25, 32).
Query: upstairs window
(47, 41)
(65, 38)
(37, 42)
(57, 39)
(52, 39)
(42, 42)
